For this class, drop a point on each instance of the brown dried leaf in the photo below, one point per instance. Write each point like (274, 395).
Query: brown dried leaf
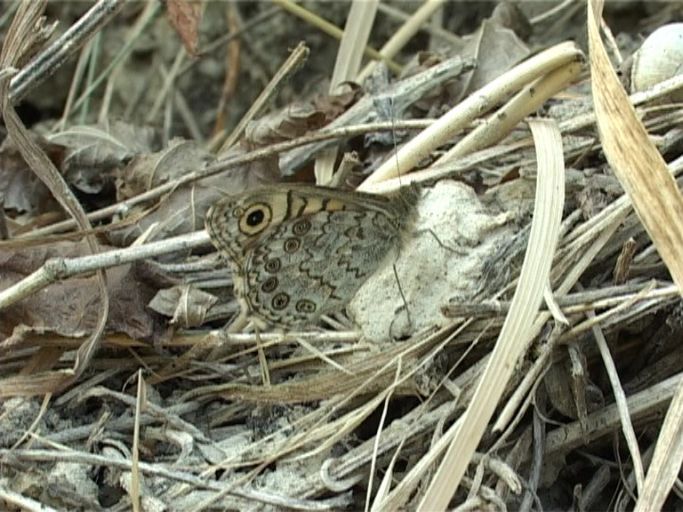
(334, 105)
(288, 123)
(636, 162)
(185, 16)
(146, 171)
(183, 210)
(298, 118)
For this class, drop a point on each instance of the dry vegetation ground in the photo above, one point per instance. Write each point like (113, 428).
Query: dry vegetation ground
(521, 350)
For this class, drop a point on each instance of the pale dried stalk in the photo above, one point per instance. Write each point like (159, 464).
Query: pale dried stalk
(656, 199)
(26, 30)
(448, 125)
(622, 406)
(131, 38)
(52, 57)
(504, 120)
(123, 207)
(635, 160)
(62, 268)
(600, 423)
(517, 330)
(663, 470)
(294, 62)
(355, 38)
(332, 30)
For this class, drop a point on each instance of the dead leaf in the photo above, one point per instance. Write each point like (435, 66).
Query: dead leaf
(185, 16)
(183, 209)
(69, 308)
(20, 188)
(285, 124)
(186, 304)
(149, 170)
(95, 152)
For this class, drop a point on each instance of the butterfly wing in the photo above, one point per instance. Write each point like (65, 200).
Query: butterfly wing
(300, 252)
(314, 265)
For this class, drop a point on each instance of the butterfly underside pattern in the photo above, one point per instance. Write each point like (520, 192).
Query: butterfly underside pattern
(299, 252)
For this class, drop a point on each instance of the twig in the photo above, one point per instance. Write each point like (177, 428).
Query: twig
(7, 456)
(61, 268)
(402, 94)
(332, 30)
(294, 62)
(422, 145)
(148, 15)
(56, 54)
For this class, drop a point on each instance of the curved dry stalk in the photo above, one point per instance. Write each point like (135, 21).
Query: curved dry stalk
(518, 328)
(448, 125)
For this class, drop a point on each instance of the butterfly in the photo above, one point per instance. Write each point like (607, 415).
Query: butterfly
(298, 252)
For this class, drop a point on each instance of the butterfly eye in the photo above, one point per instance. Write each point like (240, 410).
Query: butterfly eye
(255, 219)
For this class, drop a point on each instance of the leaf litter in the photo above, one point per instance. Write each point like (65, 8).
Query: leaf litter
(521, 353)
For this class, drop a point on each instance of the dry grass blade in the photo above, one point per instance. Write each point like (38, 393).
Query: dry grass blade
(378, 436)
(656, 199)
(524, 103)
(60, 268)
(331, 30)
(23, 502)
(342, 415)
(403, 35)
(515, 333)
(145, 18)
(356, 34)
(54, 56)
(620, 399)
(641, 405)
(665, 464)
(355, 38)
(635, 160)
(136, 476)
(296, 59)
